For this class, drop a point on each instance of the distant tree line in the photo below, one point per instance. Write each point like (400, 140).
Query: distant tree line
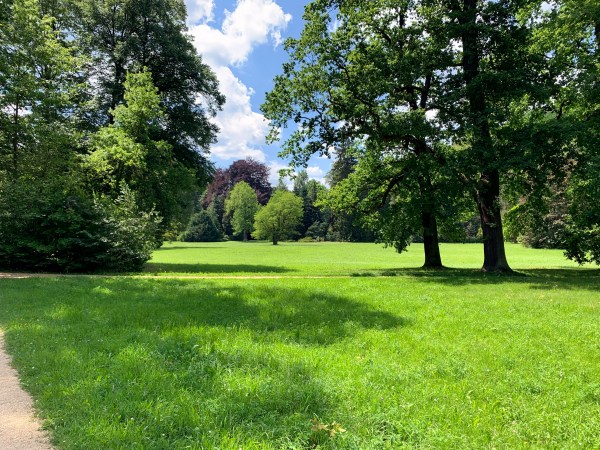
(237, 194)
(104, 131)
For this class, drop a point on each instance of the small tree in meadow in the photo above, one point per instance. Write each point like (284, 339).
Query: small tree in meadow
(242, 205)
(280, 218)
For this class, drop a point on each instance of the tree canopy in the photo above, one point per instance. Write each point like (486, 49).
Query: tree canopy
(280, 218)
(242, 205)
(426, 96)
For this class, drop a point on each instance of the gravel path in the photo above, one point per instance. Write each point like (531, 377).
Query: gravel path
(19, 430)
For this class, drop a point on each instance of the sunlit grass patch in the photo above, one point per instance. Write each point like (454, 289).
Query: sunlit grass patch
(452, 360)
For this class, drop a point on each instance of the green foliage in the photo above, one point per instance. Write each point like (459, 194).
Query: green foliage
(555, 192)
(280, 218)
(314, 219)
(369, 87)
(125, 35)
(202, 227)
(125, 151)
(242, 205)
(37, 92)
(55, 226)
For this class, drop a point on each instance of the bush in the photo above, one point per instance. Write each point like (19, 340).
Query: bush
(56, 227)
(202, 228)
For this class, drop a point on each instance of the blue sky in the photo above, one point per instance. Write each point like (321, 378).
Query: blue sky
(242, 41)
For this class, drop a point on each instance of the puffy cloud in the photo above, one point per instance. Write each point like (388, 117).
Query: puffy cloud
(199, 11)
(242, 130)
(315, 172)
(252, 23)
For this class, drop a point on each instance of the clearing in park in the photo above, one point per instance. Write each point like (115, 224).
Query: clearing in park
(324, 345)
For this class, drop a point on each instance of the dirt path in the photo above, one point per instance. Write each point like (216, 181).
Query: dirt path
(19, 430)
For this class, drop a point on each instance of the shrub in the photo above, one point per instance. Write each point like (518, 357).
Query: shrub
(54, 226)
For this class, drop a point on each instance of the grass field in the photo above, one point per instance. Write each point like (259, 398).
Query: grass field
(328, 259)
(451, 359)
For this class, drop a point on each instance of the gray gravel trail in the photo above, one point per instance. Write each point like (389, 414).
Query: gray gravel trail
(19, 429)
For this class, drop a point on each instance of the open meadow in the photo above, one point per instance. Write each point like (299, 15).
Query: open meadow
(332, 346)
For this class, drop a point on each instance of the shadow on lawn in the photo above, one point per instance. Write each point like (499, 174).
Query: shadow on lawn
(189, 247)
(588, 279)
(213, 268)
(177, 361)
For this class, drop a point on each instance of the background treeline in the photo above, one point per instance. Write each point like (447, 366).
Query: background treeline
(104, 130)
(237, 193)
(227, 208)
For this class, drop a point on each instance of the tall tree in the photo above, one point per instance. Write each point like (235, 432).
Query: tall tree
(125, 152)
(127, 35)
(36, 92)
(570, 36)
(425, 90)
(372, 81)
(242, 205)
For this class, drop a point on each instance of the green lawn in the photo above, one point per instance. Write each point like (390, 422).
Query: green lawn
(328, 258)
(451, 359)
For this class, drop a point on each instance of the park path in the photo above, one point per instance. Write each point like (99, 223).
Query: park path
(19, 429)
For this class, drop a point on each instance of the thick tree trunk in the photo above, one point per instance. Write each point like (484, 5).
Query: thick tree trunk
(487, 194)
(433, 259)
(431, 245)
(494, 255)
(275, 242)
(246, 236)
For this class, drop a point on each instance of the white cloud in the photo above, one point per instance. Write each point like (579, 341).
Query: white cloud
(242, 130)
(252, 23)
(315, 172)
(275, 167)
(199, 11)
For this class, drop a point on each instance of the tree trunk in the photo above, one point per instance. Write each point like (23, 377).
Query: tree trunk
(246, 236)
(15, 140)
(487, 194)
(431, 245)
(274, 240)
(116, 95)
(494, 256)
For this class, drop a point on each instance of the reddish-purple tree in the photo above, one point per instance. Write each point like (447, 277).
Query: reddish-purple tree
(256, 174)
(253, 172)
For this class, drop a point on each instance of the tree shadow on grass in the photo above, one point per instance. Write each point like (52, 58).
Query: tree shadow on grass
(166, 363)
(222, 269)
(588, 279)
(189, 247)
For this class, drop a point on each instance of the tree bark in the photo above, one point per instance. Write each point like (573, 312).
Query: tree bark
(433, 259)
(487, 193)
(15, 140)
(494, 255)
(431, 245)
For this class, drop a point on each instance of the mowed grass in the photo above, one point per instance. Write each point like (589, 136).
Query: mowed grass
(450, 359)
(291, 259)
